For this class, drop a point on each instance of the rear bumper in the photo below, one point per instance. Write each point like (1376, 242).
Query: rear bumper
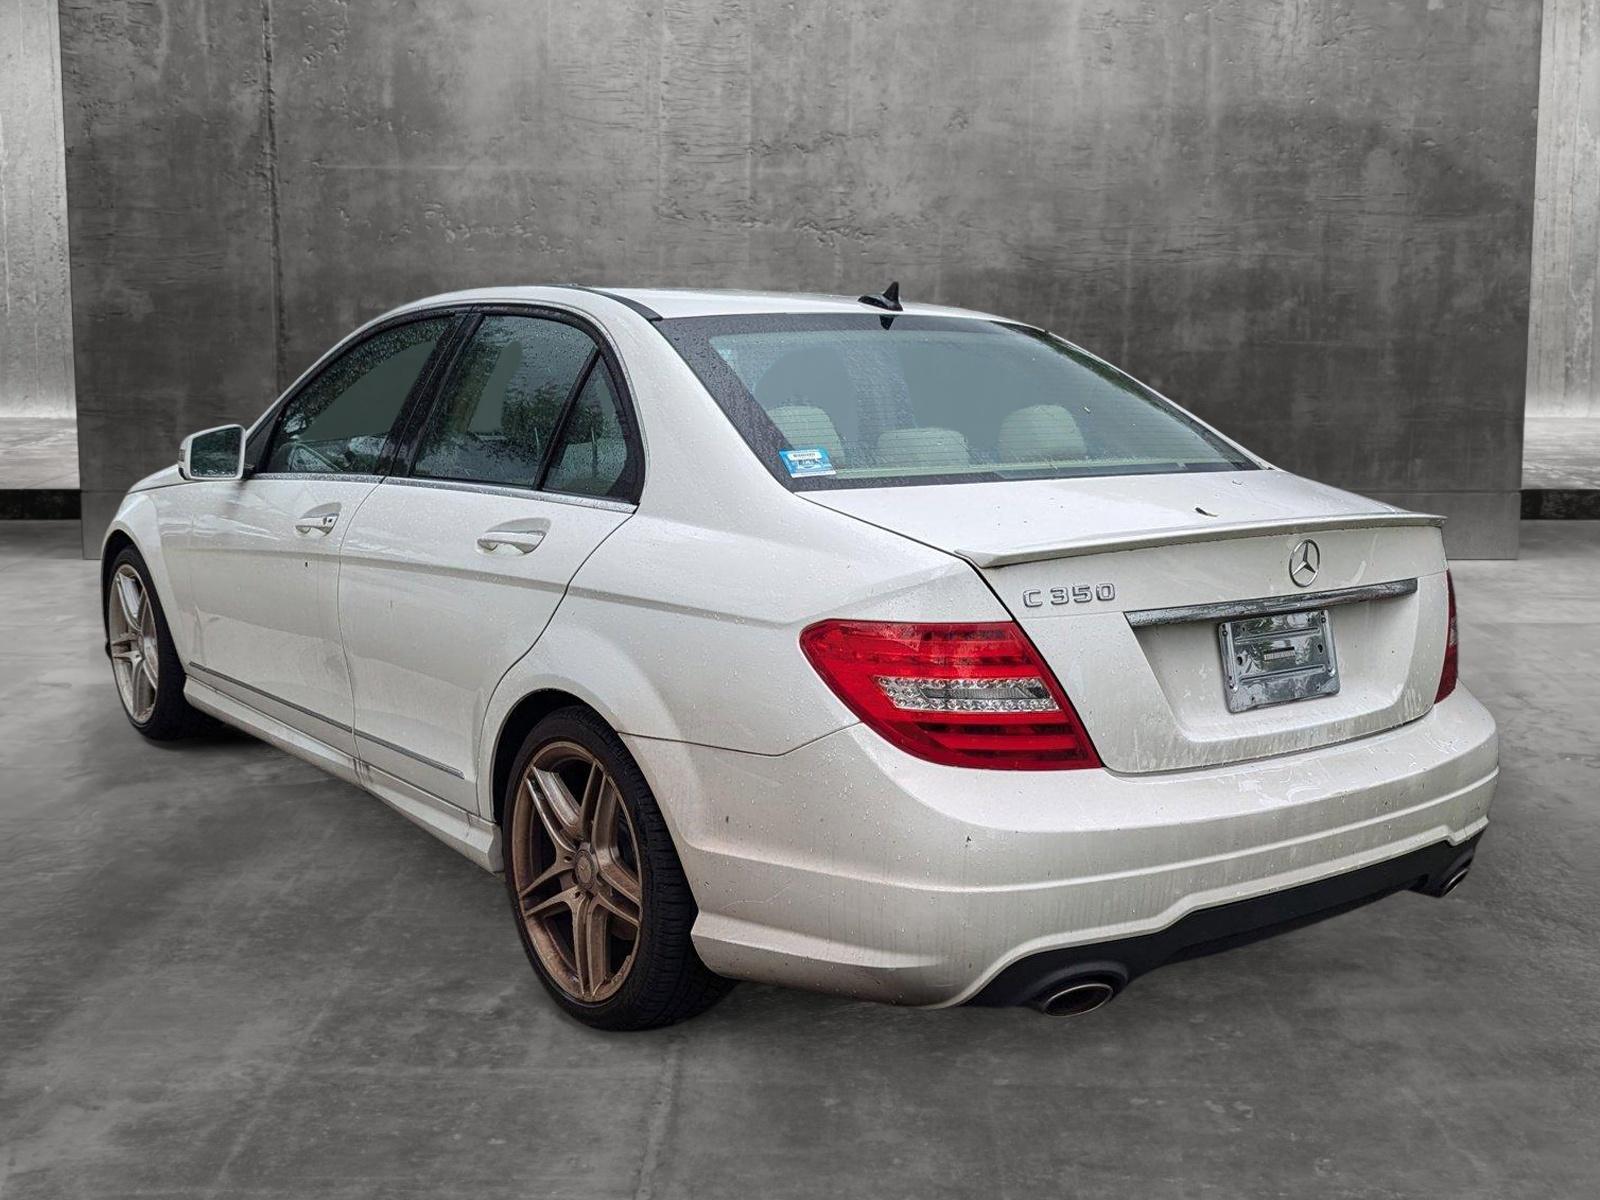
(1211, 930)
(847, 866)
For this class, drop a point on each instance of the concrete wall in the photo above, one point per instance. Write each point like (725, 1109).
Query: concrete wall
(1309, 222)
(35, 311)
(1563, 355)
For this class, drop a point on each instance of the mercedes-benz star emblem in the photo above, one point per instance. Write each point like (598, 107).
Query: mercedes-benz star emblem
(1304, 561)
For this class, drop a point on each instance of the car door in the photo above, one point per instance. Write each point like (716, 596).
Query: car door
(453, 566)
(264, 550)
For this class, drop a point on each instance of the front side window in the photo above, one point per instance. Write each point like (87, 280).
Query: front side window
(843, 400)
(338, 423)
(500, 410)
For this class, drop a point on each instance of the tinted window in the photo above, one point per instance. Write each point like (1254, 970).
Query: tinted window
(848, 401)
(503, 401)
(595, 457)
(339, 421)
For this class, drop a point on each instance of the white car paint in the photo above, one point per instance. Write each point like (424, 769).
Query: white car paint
(391, 648)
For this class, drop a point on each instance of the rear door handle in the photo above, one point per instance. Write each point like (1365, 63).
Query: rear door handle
(315, 522)
(514, 537)
(497, 541)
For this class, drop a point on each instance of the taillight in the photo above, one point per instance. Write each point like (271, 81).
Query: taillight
(1452, 659)
(963, 695)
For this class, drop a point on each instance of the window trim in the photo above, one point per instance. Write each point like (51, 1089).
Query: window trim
(272, 420)
(604, 354)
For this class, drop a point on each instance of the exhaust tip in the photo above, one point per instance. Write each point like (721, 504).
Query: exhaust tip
(1451, 884)
(1077, 999)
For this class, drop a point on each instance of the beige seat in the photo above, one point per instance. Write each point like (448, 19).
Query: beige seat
(804, 426)
(1040, 433)
(923, 448)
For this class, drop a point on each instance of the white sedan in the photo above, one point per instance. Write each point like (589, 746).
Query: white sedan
(890, 650)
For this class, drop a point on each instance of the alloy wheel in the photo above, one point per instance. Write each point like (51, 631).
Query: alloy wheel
(135, 655)
(575, 867)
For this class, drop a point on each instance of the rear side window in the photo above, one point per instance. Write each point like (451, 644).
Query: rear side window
(500, 410)
(867, 401)
(594, 455)
(339, 421)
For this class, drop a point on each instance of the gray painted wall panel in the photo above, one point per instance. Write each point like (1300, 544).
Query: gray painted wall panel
(35, 311)
(1310, 223)
(1563, 362)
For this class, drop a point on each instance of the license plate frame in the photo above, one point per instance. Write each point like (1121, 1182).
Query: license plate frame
(1277, 659)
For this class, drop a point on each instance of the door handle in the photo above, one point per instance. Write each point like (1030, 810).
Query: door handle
(315, 522)
(522, 541)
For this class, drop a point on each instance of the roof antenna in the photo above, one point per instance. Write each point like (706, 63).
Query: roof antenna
(889, 299)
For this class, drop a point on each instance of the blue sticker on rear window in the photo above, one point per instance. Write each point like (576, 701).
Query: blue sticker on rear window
(813, 460)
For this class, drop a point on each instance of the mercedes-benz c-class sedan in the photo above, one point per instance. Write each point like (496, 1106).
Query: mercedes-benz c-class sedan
(890, 650)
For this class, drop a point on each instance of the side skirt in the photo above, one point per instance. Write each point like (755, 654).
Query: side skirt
(462, 831)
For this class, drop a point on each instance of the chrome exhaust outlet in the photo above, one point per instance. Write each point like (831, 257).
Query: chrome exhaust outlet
(1450, 885)
(1077, 999)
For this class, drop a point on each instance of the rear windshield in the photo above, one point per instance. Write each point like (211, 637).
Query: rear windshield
(870, 401)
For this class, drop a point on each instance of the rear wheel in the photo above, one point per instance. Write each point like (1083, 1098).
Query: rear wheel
(145, 662)
(599, 896)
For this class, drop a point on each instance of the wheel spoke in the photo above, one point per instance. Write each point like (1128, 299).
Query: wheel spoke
(591, 949)
(607, 812)
(130, 595)
(566, 898)
(560, 804)
(620, 906)
(147, 664)
(143, 693)
(555, 827)
(555, 870)
(594, 784)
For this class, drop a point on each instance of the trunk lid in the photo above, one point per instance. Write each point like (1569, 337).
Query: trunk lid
(1123, 582)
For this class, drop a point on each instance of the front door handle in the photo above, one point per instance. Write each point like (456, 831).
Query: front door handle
(514, 537)
(522, 541)
(315, 522)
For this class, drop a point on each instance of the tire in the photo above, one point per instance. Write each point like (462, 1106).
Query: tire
(589, 854)
(134, 637)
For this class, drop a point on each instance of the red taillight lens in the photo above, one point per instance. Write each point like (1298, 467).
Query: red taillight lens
(1452, 659)
(963, 695)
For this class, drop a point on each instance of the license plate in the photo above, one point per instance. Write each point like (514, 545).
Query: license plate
(1277, 659)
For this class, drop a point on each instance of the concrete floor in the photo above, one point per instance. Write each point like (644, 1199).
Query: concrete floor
(222, 973)
(38, 452)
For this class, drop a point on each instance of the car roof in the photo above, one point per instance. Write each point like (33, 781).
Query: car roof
(669, 302)
(696, 302)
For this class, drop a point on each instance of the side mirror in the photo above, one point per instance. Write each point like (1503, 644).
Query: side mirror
(213, 454)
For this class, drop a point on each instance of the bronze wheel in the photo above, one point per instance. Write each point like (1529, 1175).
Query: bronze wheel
(600, 899)
(131, 634)
(575, 865)
(149, 676)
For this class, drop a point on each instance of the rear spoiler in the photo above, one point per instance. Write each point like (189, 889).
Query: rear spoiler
(1070, 547)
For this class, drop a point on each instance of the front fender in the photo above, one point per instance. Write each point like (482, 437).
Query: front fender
(140, 519)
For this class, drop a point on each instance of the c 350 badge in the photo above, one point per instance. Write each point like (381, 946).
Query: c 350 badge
(1078, 593)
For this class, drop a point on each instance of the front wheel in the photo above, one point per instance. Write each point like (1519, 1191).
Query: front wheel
(598, 893)
(144, 661)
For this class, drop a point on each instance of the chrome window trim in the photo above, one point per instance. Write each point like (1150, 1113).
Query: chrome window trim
(317, 476)
(513, 492)
(1266, 606)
